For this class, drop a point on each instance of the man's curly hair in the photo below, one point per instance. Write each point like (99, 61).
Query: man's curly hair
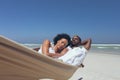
(60, 36)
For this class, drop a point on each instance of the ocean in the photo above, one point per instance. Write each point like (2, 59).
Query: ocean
(100, 48)
(106, 48)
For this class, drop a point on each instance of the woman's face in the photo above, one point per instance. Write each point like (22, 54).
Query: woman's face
(62, 43)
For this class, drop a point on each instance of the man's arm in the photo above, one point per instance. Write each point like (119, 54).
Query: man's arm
(87, 43)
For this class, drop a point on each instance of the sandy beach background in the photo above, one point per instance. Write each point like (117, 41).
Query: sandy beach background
(99, 66)
(101, 63)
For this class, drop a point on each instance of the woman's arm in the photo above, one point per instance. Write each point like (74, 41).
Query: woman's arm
(64, 51)
(45, 49)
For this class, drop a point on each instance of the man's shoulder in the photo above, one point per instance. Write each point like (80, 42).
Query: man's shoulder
(80, 48)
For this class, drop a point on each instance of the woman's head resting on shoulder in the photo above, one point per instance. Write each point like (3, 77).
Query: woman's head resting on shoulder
(62, 40)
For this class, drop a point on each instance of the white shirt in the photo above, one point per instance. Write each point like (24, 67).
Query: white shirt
(51, 50)
(74, 56)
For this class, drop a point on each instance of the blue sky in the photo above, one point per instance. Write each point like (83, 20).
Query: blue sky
(32, 21)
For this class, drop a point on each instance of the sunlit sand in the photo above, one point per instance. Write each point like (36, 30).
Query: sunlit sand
(99, 66)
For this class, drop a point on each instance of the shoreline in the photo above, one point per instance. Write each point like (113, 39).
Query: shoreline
(104, 52)
(100, 48)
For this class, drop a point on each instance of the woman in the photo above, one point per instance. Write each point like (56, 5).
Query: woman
(61, 41)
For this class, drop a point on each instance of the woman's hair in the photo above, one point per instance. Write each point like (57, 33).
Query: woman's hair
(60, 36)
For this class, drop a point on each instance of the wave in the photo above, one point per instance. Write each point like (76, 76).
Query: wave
(32, 45)
(106, 45)
(106, 48)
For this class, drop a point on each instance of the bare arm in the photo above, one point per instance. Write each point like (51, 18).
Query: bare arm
(45, 49)
(87, 43)
(64, 51)
(56, 55)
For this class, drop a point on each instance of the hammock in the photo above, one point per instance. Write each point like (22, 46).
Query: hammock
(18, 62)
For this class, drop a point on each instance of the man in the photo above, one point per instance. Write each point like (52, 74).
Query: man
(76, 55)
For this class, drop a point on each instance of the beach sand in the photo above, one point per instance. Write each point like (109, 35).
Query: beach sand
(99, 66)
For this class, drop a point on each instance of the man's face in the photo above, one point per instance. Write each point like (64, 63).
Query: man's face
(75, 40)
